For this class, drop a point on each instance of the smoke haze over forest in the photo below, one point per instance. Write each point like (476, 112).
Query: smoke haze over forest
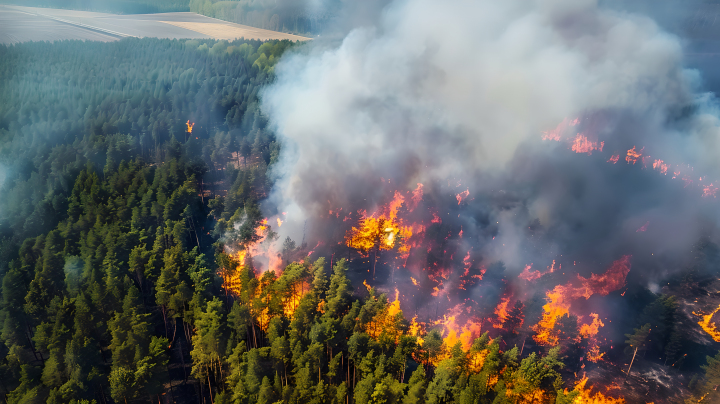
(462, 92)
(458, 202)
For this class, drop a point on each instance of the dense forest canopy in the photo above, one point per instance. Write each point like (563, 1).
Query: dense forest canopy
(133, 173)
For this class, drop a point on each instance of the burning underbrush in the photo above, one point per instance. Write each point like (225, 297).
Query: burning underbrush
(430, 258)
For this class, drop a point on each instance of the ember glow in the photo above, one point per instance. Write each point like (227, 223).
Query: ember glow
(190, 126)
(659, 165)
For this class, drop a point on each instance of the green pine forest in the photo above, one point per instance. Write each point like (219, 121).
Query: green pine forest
(112, 219)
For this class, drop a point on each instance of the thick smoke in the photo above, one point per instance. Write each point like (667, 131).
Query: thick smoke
(461, 92)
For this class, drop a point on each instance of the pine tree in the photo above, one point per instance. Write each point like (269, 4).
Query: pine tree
(416, 387)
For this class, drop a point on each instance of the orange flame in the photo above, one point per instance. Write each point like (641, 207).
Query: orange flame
(534, 275)
(660, 166)
(416, 198)
(190, 126)
(394, 307)
(708, 325)
(581, 144)
(590, 332)
(559, 130)
(462, 195)
(454, 333)
(291, 303)
(381, 232)
(560, 297)
(586, 396)
(501, 312)
(633, 155)
(709, 190)
(614, 158)
(436, 218)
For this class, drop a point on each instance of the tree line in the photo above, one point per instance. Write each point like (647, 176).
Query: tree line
(116, 283)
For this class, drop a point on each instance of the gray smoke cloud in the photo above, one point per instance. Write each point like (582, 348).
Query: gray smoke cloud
(462, 91)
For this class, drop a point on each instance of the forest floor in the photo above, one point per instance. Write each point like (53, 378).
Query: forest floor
(24, 24)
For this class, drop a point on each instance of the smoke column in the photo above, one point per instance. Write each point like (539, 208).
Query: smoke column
(461, 92)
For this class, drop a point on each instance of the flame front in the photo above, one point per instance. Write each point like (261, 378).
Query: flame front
(708, 325)
(560, 298)
(379, 232)
(581, 144)
(586, 396)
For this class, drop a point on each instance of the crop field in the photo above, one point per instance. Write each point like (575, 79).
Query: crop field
(23, 24)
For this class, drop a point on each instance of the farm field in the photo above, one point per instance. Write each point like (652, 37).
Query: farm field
(23, 24)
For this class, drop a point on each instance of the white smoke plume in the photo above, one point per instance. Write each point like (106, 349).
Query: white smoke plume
(462, 90)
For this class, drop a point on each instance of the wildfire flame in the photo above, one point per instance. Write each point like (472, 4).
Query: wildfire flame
(586, 396)
(380, 232)
(633, 155)
(709, 190)
(501, 312)
(190, 126)
(454, 333)
(660, 166)
(560, 129)
(560, 298)
(535, 275)
(708, 325)
(581, 144)
(590, 331)
(462, 195)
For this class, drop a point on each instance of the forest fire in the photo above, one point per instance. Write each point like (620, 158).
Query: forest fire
(453, 333)
(585, 395)
(633, 155)
(560, 298)
(379, 232)
(528, 275)
(581, 144)
(316, 239)
(501, 311)
(708, 325)
(462, 195)
(559, 131)
(660, 165)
